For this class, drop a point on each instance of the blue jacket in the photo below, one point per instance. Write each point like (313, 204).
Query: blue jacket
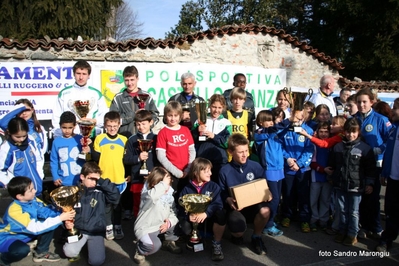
(375, 130)
(321, 159)
(25, 221)
(210, 188)
(298, 147)
(390, 145)
(233, 174)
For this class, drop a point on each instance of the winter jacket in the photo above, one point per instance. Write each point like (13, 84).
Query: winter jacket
(181, 98)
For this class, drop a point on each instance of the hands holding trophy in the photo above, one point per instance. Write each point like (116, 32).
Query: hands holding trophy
(296, 101)
(195, 204)
(65, 198)
(145, 146)
(202, 110)
(142, 97)
(81, 109)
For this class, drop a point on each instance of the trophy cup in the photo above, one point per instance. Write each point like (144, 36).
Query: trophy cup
(81, 109)
(296, 101)
(195, 203)
(145, 145)
(142, 97)
(201, 109)
(65, 198)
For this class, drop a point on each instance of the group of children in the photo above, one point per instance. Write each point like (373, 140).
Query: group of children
(340, 166)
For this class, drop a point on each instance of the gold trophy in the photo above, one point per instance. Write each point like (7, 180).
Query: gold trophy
(195, 203)
(142, 97)
(81, 109)
(296, 101)
(201, 109)
(145, 145)
(65, 198)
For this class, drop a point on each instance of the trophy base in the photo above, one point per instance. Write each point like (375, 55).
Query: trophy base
(85, 156)
(202, 138)
(73, 236)
(297, 129)
(143, 171)
(195, 246)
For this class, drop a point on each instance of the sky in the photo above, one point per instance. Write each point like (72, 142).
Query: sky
(158, 16)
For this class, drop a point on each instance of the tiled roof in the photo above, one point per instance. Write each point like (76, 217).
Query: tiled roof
(380, 86)
(59, 44)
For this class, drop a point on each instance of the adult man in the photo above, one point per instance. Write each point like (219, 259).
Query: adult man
(187, 99)
(340, 101)
(127, 102)
(327, 85)
(80, 91)
(240, 80)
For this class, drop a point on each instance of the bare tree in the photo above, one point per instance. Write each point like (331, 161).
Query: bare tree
(126, 24)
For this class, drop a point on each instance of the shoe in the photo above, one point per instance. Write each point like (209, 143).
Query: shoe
(323, 227)
(171, 247)
(127, 215)
(32, 245)
(350, 241)
(272, 231)
(2, 263)
(286, 222)
(374, 235)
(45, 256)
(305, 227)
(109, 232)
(217, 253)
(258, 245)
(362, 234)
(138, 258)
(118, 232)
(340, 238)
(381, 247)
(237, 240)
(313, 227)
(331, 231)
(73, 259)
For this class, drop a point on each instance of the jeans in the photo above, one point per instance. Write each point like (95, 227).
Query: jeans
(320, 196)
(275, 189)
(348, 203)
(95, 246)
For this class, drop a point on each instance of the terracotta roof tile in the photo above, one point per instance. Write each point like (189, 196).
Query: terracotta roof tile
(380, 86)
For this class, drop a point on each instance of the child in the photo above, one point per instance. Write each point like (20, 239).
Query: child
(108, 151)
(127, 102)
(322, 115)
(350, 106)
(90, 218)
(64, 162)
(320, 188)
(200, 183)
(156, 216)
(278, 114)
(134, 157)
(283, 103)
(269, 149)
(217, 130)
(239, 171)
(19, 155)
(354, 171)
(175, 146)
(36, 131)
(27, 218)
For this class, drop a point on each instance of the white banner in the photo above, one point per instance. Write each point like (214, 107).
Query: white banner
(40, 82)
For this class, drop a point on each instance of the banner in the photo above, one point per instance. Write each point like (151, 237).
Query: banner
(40, 82)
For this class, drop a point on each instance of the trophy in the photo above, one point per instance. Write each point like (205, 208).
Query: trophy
(81, 109)
(145, 145)
(195, 203)
(142, 97)
(296, 101)
(201, 109)
(65, 198)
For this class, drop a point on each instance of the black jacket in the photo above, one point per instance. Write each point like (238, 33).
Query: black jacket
(181, 98)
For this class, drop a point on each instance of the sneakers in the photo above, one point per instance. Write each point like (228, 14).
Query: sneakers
(217, 253)
(73, 259)
(258, 245)
(331, 231)
(340, 238)
(118, 232)
(272, 231)
(171, 247)
(127, 215)
(286, 222)
(109, 232)
(305, 227)
(382, 247)
(32, 245)
(350, 241)
(362, 234)
(138, 258)
(313, 227)
(45, 256)
(237, 240)
(2, 263)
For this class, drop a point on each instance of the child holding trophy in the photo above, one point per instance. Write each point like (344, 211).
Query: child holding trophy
(90, 218)
(108, 152)
(28, 218)
(157, 216)
(140, 154)
(200, 183)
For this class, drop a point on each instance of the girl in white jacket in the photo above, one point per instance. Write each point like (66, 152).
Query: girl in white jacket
(157, 215)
